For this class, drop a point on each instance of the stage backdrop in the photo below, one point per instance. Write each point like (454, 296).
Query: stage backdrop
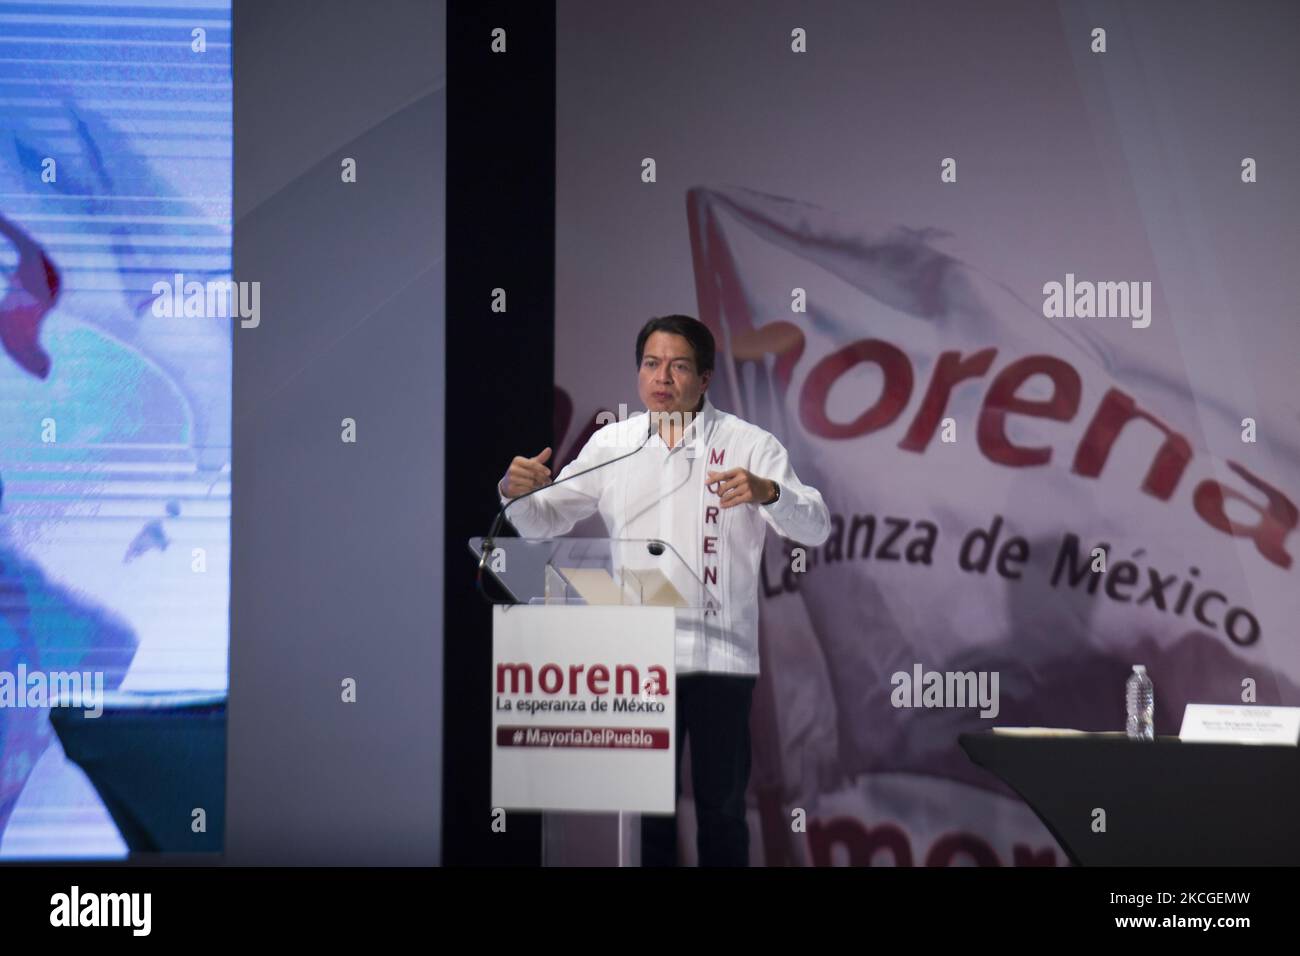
(115, 128)
(869, 204)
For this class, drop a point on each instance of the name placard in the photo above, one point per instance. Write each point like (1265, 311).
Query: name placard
(1240, 724)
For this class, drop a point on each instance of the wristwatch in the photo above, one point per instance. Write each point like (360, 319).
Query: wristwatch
(777, 498)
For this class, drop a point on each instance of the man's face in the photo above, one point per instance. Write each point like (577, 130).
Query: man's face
(668, 380)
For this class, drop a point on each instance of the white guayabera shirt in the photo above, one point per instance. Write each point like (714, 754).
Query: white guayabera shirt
(661, 492)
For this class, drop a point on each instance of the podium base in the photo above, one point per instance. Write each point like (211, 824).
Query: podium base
(591, 839)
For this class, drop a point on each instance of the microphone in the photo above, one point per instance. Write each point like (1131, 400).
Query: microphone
(496, 524)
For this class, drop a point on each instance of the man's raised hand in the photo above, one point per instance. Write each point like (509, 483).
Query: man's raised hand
(526, 474)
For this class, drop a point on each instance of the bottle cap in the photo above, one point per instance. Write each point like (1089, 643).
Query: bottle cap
(1140, 668)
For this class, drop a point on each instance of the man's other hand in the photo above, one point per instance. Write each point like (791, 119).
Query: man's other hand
(738, 486)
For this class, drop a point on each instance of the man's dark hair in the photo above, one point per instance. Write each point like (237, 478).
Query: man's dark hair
(693, 330)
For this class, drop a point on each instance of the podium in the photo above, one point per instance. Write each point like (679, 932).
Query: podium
(1166, 803)
(584, 686)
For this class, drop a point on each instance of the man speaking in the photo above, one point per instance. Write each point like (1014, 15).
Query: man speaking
(709, 484)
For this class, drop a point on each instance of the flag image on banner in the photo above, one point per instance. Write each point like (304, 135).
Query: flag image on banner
(1023, 508)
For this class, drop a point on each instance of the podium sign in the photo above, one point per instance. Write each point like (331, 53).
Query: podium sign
(584, 708)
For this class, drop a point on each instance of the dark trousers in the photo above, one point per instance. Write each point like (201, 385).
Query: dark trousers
(713, 713)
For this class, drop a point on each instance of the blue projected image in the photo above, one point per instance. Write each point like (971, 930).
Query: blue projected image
(115, 187)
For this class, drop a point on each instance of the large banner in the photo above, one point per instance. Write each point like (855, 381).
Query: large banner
(1019, 304)
(1012, 502)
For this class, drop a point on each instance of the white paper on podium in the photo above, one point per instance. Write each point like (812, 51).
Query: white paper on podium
(644, 586)
(594, 585)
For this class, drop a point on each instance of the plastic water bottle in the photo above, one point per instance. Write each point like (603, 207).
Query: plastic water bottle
(1141, 699)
